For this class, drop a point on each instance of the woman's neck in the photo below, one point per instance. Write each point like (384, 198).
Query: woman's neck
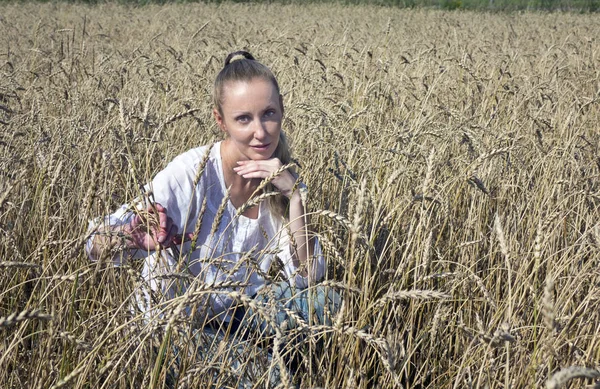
(241, 188)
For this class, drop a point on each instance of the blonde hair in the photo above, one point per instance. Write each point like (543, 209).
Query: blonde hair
(247, 68)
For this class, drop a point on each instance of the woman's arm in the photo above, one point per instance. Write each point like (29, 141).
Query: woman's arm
(303, 247)
(303, 242)
(175, 192)
(146, 231)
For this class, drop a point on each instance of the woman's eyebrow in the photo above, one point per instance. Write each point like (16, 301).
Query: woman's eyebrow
(245, 112)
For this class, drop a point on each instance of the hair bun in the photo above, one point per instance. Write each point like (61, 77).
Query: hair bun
(240, 53)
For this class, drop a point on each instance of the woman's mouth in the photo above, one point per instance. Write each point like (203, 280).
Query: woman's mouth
(260, 147)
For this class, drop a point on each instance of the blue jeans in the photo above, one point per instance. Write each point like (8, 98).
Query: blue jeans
(316, 305)
(275, 327)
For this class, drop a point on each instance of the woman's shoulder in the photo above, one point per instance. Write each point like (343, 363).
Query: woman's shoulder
(194, 157)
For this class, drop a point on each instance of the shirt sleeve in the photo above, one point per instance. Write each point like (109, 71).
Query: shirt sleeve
(174, 188)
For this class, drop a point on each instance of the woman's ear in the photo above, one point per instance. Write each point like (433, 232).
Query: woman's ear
(218, 119)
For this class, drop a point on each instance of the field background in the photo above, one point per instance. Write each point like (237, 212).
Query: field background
(453, 165)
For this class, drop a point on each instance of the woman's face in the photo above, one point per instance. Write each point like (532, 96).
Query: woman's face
(252, 112)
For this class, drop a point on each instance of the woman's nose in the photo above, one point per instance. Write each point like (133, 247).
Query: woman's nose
(259, 129)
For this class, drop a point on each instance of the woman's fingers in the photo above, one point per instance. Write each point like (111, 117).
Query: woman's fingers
(264, 168)
(179, 239)
(160, 233)
(254, 174)
(147, 234)
(158, 207)
(257, 169)
(268, 164)
(163, 218)
(172, 231)
(135, 222)
(166, 229)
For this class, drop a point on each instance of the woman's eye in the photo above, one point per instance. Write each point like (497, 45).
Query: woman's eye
(269, 113)
(243, 119)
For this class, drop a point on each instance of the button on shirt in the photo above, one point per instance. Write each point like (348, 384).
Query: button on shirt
(241, 250)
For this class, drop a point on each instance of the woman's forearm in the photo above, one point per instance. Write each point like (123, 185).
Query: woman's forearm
(303, 241)
(108, 239)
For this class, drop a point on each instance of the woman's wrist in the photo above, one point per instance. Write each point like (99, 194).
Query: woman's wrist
(290, 195)
(123, 237)
(296, 192)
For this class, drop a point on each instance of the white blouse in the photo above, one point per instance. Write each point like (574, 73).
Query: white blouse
(217, 257)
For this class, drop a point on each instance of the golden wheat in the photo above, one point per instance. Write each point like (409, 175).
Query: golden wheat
(452, 162)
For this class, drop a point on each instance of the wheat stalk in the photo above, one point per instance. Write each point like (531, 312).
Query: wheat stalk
(28, 314)
(567, 374)
(409, 295)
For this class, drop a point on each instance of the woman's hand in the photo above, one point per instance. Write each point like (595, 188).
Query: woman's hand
(151, 228)
(262, 169)
(148, 230)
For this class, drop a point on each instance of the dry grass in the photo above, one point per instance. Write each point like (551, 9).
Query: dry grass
(453, 165)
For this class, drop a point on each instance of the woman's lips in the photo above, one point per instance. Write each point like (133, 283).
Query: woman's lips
(261, 147)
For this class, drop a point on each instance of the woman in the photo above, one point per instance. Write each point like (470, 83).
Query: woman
(207, 215)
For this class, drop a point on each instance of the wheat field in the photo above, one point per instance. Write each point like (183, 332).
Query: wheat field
(454, 172)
